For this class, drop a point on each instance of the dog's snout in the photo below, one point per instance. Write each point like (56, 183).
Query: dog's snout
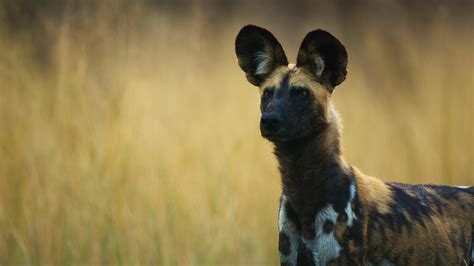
(270, 121)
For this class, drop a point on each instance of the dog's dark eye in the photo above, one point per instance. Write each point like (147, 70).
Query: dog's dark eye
(301, 93)
(267, 93)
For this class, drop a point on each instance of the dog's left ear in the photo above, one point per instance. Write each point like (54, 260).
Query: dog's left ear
(324, 57)
(259, 53)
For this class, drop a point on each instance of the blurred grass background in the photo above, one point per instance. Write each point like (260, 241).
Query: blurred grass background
(129, 135)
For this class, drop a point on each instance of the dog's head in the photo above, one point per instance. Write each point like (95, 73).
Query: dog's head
(294, 98)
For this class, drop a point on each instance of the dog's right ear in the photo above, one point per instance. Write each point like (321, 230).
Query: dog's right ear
(324, 56)
(259, 53)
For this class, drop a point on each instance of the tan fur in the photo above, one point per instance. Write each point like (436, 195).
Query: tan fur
(373, 192)
(298, 77)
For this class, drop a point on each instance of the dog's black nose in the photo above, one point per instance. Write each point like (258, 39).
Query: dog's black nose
(270, 122)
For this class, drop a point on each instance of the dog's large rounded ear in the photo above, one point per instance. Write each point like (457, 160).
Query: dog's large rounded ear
(259, 53)
(322, 55)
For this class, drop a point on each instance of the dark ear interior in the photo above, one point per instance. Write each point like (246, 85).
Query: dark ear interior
(259, 53)
(325, 57)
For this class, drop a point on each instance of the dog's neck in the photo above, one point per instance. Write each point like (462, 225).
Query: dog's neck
(313, 172)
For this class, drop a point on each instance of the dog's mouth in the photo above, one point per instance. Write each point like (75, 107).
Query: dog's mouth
(283, 136)
(278, 136)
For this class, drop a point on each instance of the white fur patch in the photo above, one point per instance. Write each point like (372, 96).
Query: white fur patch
(386, 263)
(350, 214)
(472, 251)
(262, 60)
(320, 64)
(463, 187)
(289, 230)
(283, 224)
(324, 246)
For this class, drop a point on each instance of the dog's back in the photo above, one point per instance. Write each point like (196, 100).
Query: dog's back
(418, 224)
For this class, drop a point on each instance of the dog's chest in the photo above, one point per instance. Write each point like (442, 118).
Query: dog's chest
(324, 245)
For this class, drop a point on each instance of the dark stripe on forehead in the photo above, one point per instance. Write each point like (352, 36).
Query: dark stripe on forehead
(285, 81)
(284, 84)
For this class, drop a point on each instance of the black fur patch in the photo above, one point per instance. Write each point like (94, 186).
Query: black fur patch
(292, 216)
(284, 245)
(305, 257)
(328, 227)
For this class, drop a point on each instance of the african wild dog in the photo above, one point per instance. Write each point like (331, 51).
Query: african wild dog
(331, 213)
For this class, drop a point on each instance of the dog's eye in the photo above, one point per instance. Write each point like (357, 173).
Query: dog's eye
(301, 93)
(267, 93)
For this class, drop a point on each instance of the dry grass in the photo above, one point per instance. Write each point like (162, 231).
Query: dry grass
(137, 141)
